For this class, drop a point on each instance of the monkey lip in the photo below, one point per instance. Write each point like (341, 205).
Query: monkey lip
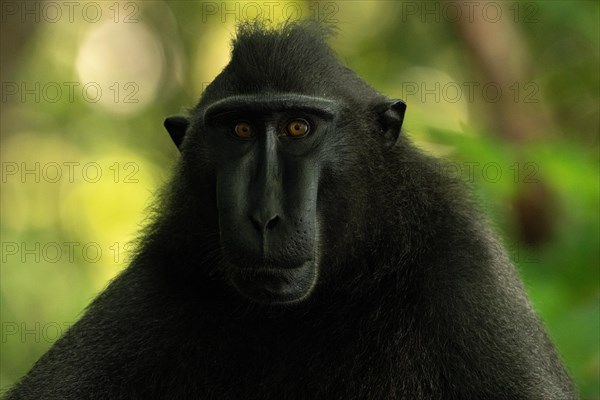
(274, 285)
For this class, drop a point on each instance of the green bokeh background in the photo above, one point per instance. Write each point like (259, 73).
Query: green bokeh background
(86, 86)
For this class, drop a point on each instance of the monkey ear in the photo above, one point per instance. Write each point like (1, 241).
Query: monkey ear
(391, 119)
(177, 126)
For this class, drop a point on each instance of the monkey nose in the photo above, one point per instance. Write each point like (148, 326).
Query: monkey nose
(264, 223)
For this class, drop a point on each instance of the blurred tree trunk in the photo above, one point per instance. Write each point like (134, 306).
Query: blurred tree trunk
(490, 33)
(17, 27)
(489, 30)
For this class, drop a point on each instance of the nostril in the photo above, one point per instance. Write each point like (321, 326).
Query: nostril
(272, 223)
(264, 227)
(257, 225)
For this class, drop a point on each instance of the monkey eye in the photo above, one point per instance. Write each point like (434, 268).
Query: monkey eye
(243, 130)
(297, 128)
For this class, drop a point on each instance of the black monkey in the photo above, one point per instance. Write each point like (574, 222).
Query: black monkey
(305, 250)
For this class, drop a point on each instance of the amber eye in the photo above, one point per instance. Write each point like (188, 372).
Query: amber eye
(297, 128)
(243, 130)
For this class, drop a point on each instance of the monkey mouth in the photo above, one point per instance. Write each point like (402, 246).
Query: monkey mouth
(274, 285)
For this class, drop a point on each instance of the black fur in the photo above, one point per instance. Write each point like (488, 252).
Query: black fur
(415, 298)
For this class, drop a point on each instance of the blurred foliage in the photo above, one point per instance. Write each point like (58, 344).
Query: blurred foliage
(65, 236)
